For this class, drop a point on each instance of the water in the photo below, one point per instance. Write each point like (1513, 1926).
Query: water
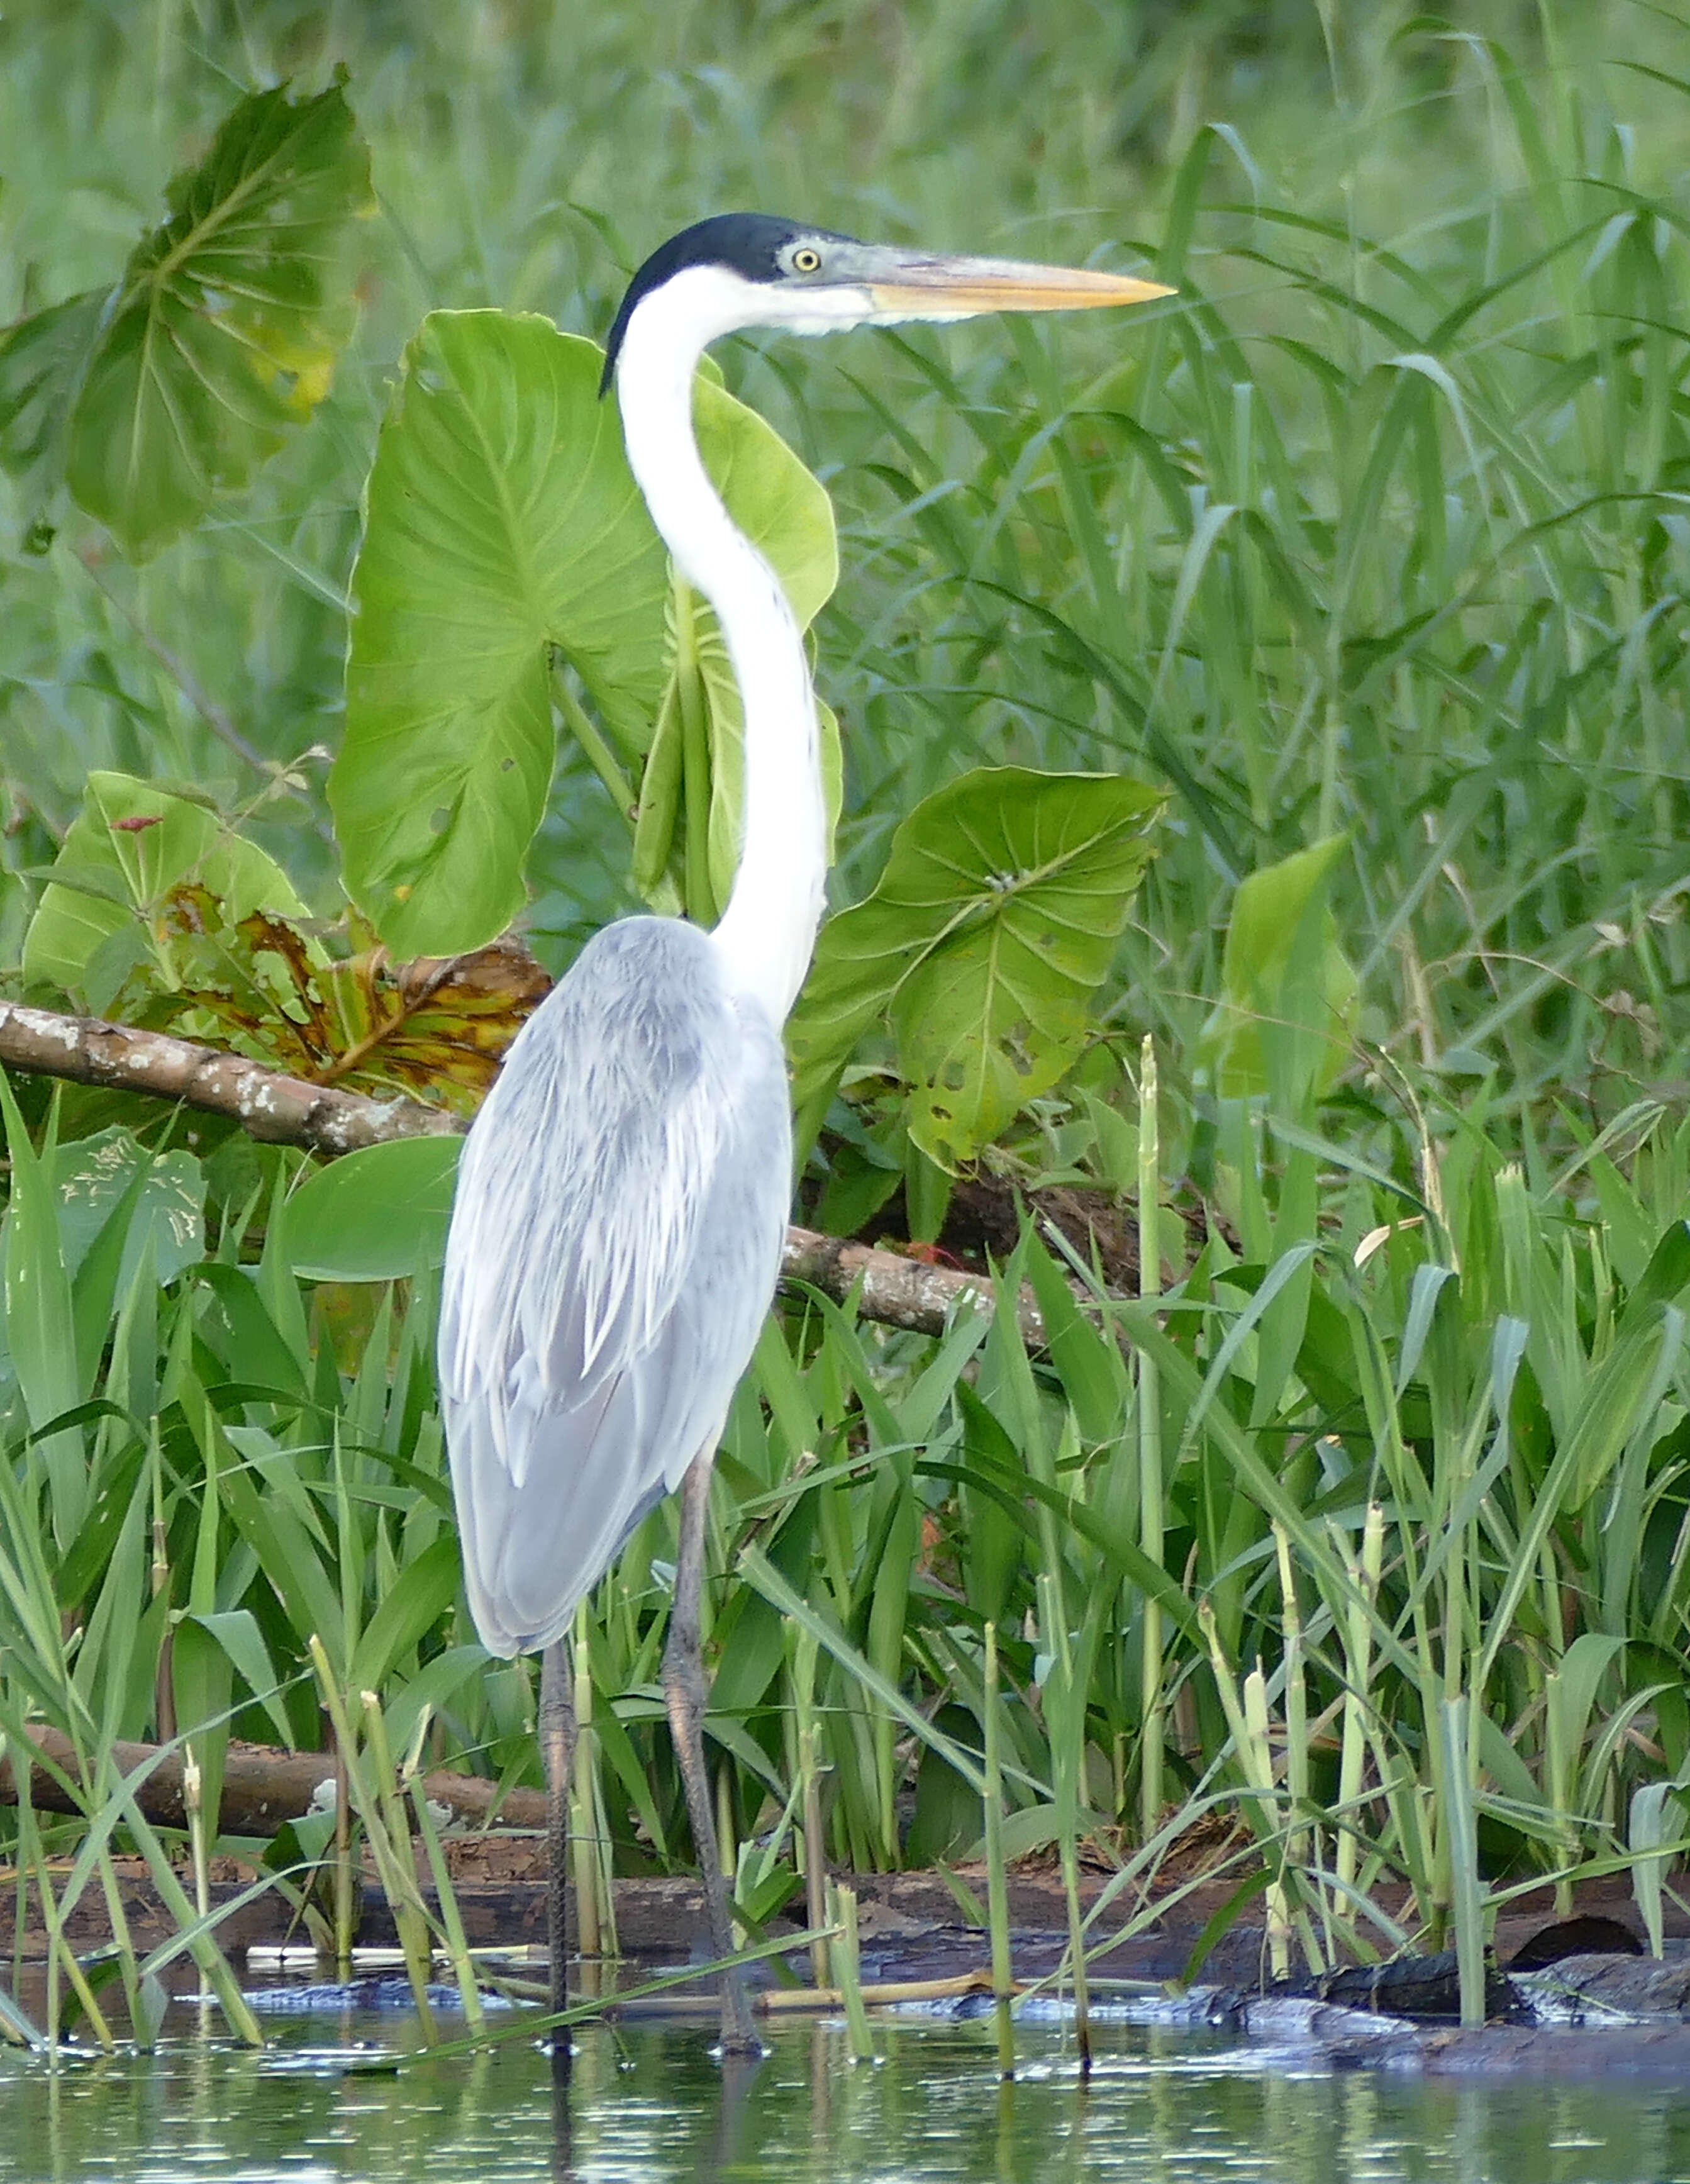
(650, 2103)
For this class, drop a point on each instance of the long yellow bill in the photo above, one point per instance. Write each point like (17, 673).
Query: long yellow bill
(919, 287)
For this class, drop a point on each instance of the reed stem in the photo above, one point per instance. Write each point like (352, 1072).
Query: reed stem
(997, 1878)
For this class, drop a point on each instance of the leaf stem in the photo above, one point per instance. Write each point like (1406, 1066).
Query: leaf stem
(695, 759)
(600, 755)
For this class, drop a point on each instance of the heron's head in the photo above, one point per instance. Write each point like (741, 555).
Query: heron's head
(748, 268)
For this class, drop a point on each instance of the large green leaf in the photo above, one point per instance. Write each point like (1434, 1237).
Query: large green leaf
(42, 358)
(375, 1215)
(504, 525)
(129, 847)
(785, 512)
(1282, 972)
(92, 1177)
(220, 335)
(992, 927)
(502, 518)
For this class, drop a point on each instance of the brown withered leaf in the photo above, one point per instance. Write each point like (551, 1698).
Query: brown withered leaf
(438, 1025)
(285, 995)
(249, 987)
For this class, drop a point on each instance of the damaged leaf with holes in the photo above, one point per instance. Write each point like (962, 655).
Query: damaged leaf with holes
(982, 948)
(157, 913)
(108, 930)
(436, 1028)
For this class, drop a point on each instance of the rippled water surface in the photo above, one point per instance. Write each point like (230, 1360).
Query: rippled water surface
(649, 2102)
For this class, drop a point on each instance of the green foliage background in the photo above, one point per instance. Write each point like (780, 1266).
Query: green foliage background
(1368, 539)
(1373, 553)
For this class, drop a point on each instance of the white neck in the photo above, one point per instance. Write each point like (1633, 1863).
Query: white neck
(768, 930)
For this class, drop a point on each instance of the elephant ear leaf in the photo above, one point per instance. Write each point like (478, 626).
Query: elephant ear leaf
(992, 927)
(783, 509)
(505, 531)
(220, 335)
(785, 512)
(503, 525)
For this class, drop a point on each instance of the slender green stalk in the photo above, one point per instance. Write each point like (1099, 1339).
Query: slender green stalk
(1256, 1755)
(385, 1830)
(345, 1915)
(1152, 1680)
(848, 1972)
(598, 750)
(1365, 1572)
(458, 1948)
(812, 1841)
(1066, 1714)
(584, 1848)
(1247, 1719)
(1454, 1726)
(728, 1838)
(390, 1840)
(1295, 1704)
(198, 1848)
(199, 1941)
(997, 1876)
(61, 1957)
(1560, 1768)
(695, 745)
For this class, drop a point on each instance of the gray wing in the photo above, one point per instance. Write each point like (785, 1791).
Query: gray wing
(615, 1242)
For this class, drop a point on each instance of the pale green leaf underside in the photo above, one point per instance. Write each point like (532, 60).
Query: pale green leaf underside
(1265, 981)
(785, 512)
(169, 1217)
(375, 1215)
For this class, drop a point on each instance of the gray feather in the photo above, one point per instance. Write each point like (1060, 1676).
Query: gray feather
(621, 1203)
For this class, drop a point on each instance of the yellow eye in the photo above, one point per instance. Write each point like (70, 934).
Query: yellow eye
(806, 260)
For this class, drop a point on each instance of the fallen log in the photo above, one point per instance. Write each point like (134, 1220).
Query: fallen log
(323, 1119)
(266, 1103)
(262, 1787)
(897, 1291)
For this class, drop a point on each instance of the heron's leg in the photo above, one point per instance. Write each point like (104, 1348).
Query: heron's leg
(557, 1749)
(685, 1693)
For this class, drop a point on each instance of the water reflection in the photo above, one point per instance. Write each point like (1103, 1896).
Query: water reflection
(654, 2103)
